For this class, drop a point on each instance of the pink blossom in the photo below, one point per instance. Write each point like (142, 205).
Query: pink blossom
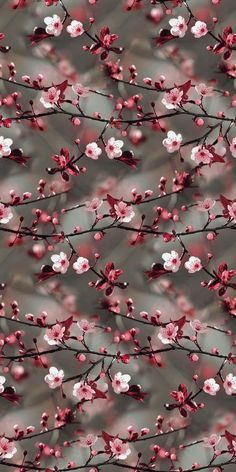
(50, 97)
(80, 90)
(211, 441)
(172, 142)
(198, 326)
(54, 378)
(2, 381)
(168, 334)
(199, 29)
(83, 391)
(120, 383)
(178, 26)
(5, 214)
(120, 449)
(201, 155)
(54, 334)
(5, 146)
(7, 448)
(232, 211)
(113, 148)
(88, 441)
(81, 265)
(172, 261)
(54, 25)
(193, 265)
(86, 326)
(233, 147)
(230, 384)
(211, 387)
(94, 204)
(206, 205)
(60, 262)
(204, 90)
(124, 212)
(93, 151)
(75, 28)
(172, 98)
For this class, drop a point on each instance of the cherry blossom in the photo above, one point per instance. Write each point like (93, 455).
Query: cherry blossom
(2, 381)
(54, 378)
(120, 382)
(211, 387)
(211, 441)
(5, 214)
(5, 146)
(206, 205)
(60, 262)
(80, 90)
(232, 211)
(172, 261)
(178, 26)
(199, 29)
(54, 335)
(83, 391)
(54, 25)
(75, 28)
(7, 448)
(94, 204)
(124, 212)
(230, 384)
(81, 265)
(201, 155)
(120, 449)
(193, 265)
(233, 147)
(50, 97)
(88, 441)
(167, 334)
(204, 90)
(173, 98)
(113, 148)
(93, 151)
(198, 326)
(86, 326)
(172, 142)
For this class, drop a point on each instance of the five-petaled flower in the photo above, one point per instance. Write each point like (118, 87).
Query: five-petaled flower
(80, 90)
(60, 262)
(211, 387)
(193, 265)
(85, 326)
(81, 265)
(94, 204)
(206, 205)
(113, 148)
(7, 448)
(83, 391)
(172, 261)
(211, 441)
(204, 90)
(120, 383)
(54, 25)
(55, 334)
(120, 449)
(178, 26)
(50, 97)
(173, 98)
(88, 441)
(198, 326)
(167, 334)
(55, 377)
(5, 214)
(199, 29)
(75, 29)
(173, 141)
(201, 155)
(93, 151)
(5, 146)
(124, 212)
(230, 384)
